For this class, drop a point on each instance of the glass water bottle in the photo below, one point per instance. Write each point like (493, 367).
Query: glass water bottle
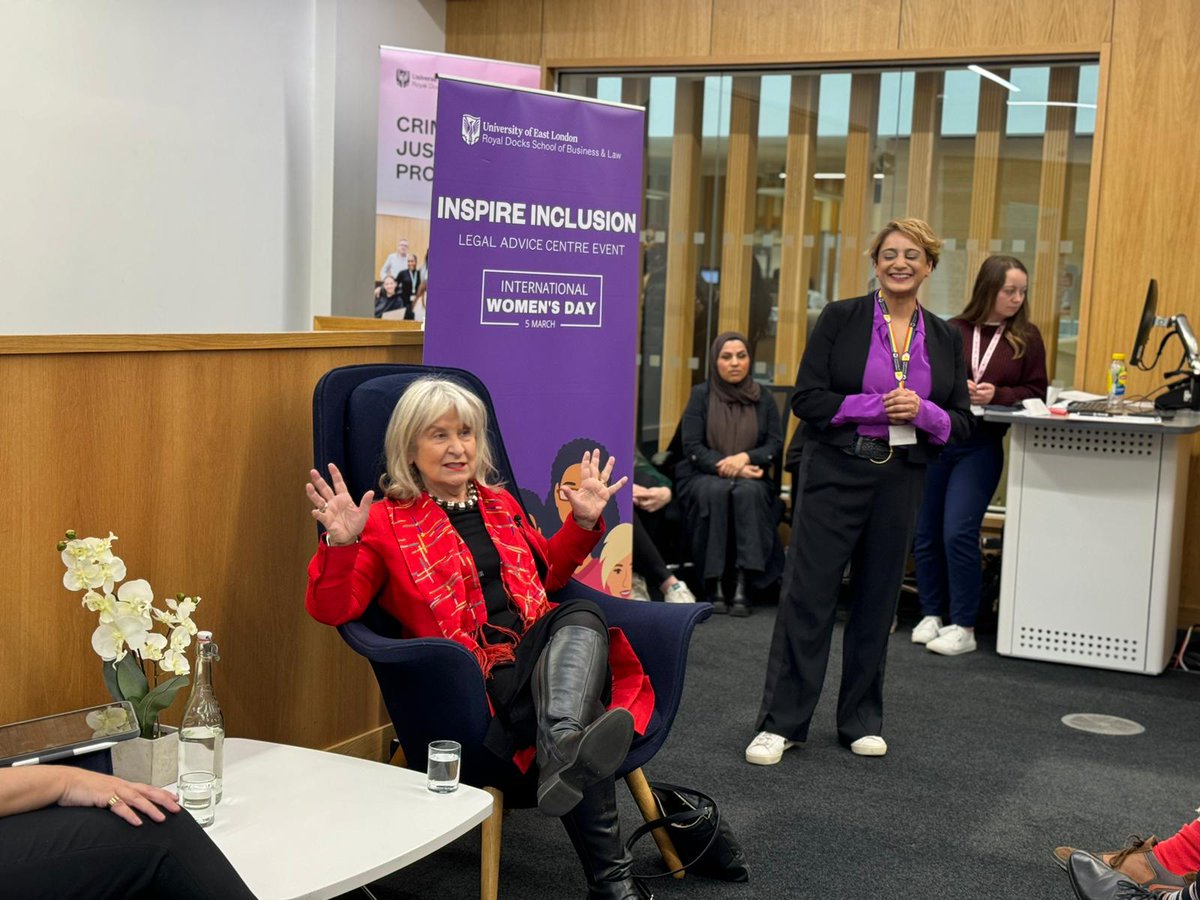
(202, 733)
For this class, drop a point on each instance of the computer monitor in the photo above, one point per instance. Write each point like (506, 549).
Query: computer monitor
(1149, 317)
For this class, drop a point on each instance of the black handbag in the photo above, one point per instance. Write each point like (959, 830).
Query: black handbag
(703, 840)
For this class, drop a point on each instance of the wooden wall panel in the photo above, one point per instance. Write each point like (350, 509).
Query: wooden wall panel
(741, 182)
(627, 29)
(859, 186)
(495, 29)
(771, 27)
(796, 263)
(945, 24)
(923, 145)
(1148, 214)
(985, 186)
(197, 461)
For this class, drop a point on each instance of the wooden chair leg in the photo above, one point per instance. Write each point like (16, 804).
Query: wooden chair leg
(489, 856)
(399, 759)
(642, 796)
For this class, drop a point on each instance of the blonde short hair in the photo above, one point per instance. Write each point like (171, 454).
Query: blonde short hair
(917, 231)
(427, 400)
(618, 544)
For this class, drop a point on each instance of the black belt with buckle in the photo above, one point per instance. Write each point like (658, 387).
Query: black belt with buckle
(876, 450)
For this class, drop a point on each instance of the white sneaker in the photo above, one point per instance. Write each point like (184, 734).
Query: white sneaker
(767, 749)
(679, 593)
(953, 641)
(638, 590)
(927, 629)
(871, 745)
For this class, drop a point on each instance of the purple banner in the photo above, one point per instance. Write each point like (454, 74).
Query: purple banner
(535, 226)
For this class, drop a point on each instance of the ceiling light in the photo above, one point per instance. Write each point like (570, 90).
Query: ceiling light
(829, 176)
(879, 176)
(980, 70)
(1067, 103)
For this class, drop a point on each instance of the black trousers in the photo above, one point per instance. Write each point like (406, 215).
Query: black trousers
(850, 511)
(91, 854)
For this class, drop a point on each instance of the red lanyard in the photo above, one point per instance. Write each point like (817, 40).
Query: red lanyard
(899, 358)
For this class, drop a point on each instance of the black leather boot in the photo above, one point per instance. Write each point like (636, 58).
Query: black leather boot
(739, 605)
(578, 742)
(594, 832)
(712, 593)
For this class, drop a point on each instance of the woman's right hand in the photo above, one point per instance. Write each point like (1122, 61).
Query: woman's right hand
(342, 518)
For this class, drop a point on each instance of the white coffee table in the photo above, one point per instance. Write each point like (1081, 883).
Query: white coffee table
(304, 823)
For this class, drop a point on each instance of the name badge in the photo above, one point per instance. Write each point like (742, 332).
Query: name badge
(901, 435)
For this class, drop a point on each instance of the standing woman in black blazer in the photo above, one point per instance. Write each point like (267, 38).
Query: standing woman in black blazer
(882, 387)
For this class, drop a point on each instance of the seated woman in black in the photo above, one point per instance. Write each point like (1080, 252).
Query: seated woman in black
(731, 436)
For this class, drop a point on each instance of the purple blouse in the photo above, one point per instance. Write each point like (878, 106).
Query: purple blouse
(879, 378)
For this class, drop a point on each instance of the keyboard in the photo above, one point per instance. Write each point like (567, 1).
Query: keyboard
(1104, 408)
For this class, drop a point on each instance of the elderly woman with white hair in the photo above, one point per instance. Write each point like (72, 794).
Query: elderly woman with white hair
(448, 554)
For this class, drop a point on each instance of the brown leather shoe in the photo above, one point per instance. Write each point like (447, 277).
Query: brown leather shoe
(1136, 861)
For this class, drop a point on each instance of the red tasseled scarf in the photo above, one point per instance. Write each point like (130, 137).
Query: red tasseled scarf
(441, 565)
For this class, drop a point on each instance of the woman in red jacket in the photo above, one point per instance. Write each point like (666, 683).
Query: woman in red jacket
(1006, 363)
(448, 554)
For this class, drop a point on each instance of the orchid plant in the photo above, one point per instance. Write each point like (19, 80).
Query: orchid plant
(125, 637)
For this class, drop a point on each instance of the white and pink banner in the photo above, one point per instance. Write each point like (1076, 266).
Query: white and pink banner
(407, 116)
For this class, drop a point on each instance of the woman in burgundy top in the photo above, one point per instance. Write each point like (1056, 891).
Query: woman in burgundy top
(881, 390)
(1006, 363)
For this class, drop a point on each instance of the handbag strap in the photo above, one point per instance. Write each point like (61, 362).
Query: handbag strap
(705, 808)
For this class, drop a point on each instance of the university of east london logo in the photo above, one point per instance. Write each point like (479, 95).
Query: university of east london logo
(470, 129)
(402, 78)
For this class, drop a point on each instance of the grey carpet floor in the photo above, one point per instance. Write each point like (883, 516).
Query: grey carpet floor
(981, 781)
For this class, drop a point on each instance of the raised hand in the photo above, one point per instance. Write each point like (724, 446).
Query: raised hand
(342, 518)
(589, 499)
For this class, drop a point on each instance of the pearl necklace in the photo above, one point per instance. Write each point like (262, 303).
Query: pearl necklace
(459, 505)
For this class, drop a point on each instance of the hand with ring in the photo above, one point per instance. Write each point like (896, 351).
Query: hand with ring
(32, 787)
(342, 518)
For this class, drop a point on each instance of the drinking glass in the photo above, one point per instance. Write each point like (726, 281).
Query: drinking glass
(197, 795)
(442, 771)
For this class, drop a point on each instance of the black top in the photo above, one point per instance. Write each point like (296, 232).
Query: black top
(469, 525)
(836, 357)
(699, 458)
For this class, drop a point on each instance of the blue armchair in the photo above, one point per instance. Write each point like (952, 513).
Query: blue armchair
(433, 688)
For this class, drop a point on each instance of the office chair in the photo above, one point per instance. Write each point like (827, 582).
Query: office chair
(432, 687)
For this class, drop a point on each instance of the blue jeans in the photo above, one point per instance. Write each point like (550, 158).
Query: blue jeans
(958, 487)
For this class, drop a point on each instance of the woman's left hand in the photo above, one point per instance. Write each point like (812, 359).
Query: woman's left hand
(731, 466)
(901, 405)
(589, 499)
(982, 393)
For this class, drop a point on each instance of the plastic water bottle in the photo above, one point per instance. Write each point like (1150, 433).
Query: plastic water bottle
(1116, 380)
(202, 733)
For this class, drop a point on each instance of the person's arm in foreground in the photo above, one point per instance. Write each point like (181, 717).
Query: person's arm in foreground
(27, 788)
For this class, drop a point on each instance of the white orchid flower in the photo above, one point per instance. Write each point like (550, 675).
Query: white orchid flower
(175, 662)
(138, 594)
(184, 608)
(83, 575)
(154, 646)
(99, 603)
(112, 640)
(112, 572)
(110, 720)
(75, 552)
(181, 638)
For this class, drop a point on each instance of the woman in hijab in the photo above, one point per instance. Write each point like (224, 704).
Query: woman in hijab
(731, 435)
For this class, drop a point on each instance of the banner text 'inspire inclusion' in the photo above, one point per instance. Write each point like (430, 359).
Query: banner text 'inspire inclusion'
(504, 212)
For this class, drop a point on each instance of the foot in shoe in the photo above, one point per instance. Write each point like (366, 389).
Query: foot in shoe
(767, 748)
(720, 607)
(871, 745)
(585, 757)
(954, 640)
(1136, 860)
(1092, 879)
(679, 593)
(927, 629)
(740, 608)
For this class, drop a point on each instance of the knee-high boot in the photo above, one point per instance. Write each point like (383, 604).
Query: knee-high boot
(578, 742)
(593, 829)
